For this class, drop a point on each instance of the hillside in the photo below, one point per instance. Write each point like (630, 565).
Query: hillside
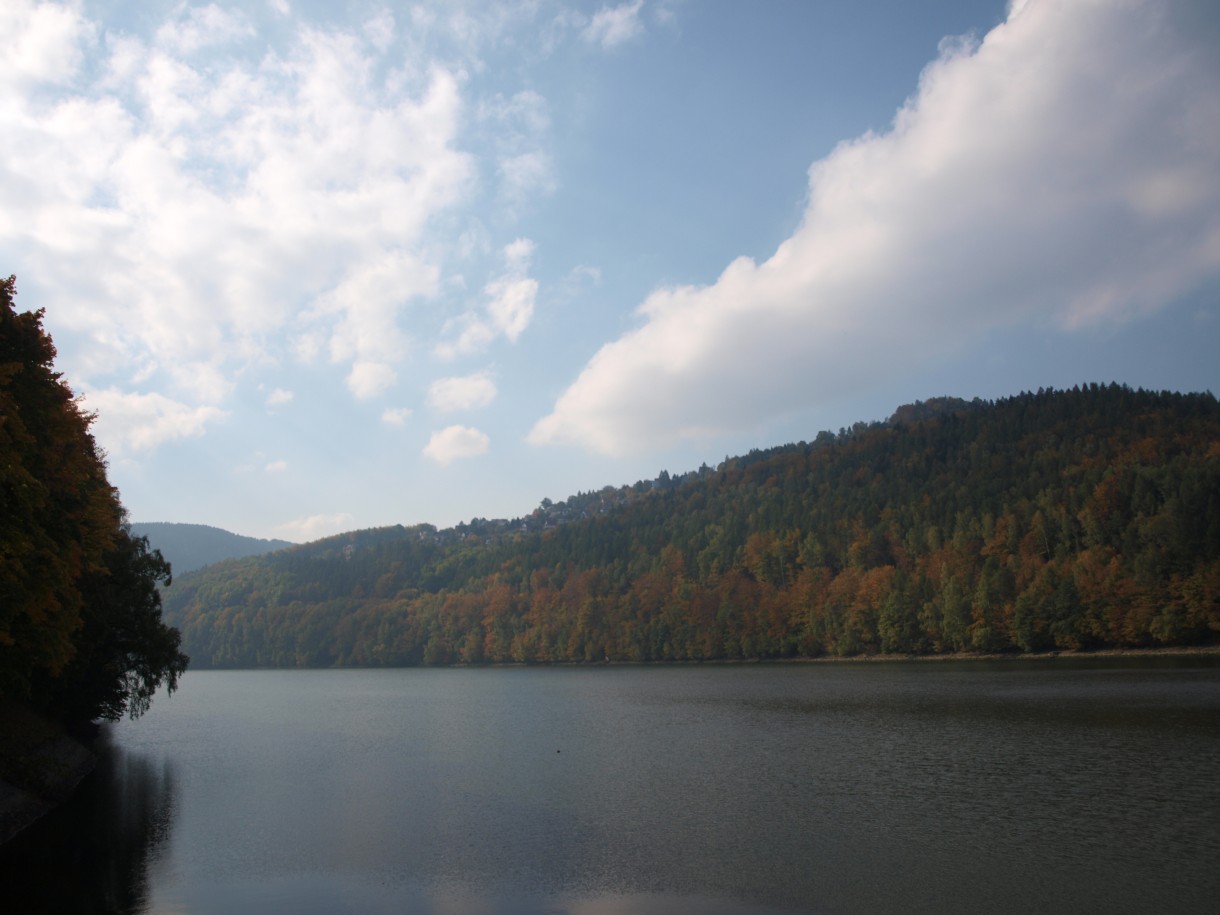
(1052, 520)
(191, 546)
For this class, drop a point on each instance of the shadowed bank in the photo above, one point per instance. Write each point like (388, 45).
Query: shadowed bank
(92, 854)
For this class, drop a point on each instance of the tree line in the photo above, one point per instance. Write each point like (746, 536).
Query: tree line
(1057, 520)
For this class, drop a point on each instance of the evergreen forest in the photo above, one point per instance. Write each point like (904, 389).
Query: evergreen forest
(1061, 520)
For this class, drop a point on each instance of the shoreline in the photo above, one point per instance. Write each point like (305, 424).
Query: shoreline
(1168, 652)
(1174, 651)
(1202, 651)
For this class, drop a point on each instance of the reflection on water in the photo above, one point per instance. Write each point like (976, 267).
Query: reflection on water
(751, 790)
(93, 855)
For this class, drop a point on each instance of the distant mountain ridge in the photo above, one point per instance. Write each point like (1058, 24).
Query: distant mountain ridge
(193, 546)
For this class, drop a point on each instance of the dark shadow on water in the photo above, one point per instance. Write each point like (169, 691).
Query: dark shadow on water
(92, 855)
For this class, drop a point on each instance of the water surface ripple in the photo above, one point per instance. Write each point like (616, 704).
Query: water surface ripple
(1001, 787)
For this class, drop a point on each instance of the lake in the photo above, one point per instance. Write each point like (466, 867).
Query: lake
(1083, 785)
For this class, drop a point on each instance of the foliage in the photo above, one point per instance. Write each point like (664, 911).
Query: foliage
(80, 616)
(1052, 520)
(124, 651)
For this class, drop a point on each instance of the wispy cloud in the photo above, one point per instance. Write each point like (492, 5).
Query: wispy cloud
(199, 27)
(510, 306)
(279, 397)
(518, 129)
(1064, 171)
(614, 25)
(396, 416)
(131, 423)
(466, 392)
(455, 443)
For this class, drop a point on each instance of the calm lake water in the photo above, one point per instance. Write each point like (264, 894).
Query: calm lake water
(1061, 786)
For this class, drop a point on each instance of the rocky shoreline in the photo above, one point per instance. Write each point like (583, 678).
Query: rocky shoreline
(41, 765)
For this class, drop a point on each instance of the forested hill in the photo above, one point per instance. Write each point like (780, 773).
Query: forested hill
(191, 546)
(1056, 520)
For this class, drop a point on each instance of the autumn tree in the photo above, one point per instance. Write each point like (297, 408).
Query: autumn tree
(80, 616)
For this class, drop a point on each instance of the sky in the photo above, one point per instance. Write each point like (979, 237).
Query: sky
(320, 267)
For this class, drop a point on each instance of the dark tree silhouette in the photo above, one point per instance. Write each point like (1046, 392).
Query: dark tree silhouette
(81, 634)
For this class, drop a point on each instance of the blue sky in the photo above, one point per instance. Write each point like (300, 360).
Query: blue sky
(319, 267)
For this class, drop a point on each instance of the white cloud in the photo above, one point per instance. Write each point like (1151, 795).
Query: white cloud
(614, 25)
(129, 423)
(276, 467)
(367, 302)
(510, 307)
(315, 527)
(197, 217)
(1064, 171)
(454, 443)
(474, 336)
(467, 392)
(517, 255)
(396, 416)
(206, 380)
(279, 397)
(368, 379)
(203, 26)
(43, 42)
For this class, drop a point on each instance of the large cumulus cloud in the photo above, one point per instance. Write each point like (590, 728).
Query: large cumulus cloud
(1062, 171)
